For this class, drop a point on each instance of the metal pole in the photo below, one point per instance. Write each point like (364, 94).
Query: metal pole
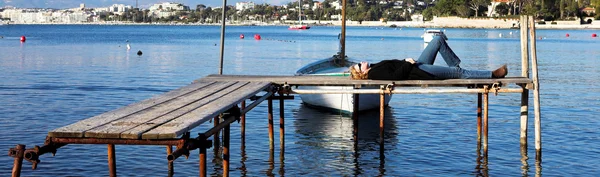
(112, 164)
(222, 36)
(536, 92)
(270, 112)
(355, 104)
(381, 123)
(479, 95)
(169, 152)
(18, 163)
(202, 161)
(226, 150)
(485, 121)
(343, 37)
(281, 126)
(243, 123)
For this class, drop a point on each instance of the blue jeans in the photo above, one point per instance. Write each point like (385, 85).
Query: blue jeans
(452, 71)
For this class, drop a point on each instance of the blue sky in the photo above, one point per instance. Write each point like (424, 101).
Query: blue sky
(61, 4)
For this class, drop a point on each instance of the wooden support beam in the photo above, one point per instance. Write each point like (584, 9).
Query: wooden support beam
(536, 91)
(524, 51)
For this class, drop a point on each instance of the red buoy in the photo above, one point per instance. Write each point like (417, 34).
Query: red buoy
(257, 37)
(241, 36)
(567, 35)
(23, 39)
(594, 35)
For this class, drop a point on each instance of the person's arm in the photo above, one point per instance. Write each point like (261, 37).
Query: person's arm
(410, 60)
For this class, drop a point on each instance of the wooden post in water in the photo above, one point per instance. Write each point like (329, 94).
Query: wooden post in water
(216, 136)
(270, 111)
(112, 164)
(524, 73)
(536, 92)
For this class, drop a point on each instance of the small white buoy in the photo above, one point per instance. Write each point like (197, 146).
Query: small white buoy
(128, 46)
(500, 35)
(510, 33)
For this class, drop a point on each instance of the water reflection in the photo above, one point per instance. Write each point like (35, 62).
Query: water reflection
(330, 137)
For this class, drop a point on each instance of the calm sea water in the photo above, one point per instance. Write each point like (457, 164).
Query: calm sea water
(66, 73)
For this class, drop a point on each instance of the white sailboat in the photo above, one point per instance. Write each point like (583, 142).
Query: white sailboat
(299, 26)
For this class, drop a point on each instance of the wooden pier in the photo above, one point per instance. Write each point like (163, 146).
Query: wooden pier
(167, 119)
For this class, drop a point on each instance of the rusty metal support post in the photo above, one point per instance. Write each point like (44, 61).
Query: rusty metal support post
(485, 120)
(270, 112)
(381, 123)
(112, 164)
(18, 154)
(355, 104)
(243, 124)
(281, 126)
(216, 136)
(479, 95)
(536, 91)
(202, 161)
(226, 133)
(171, 169)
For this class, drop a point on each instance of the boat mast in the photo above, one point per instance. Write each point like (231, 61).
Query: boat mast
(300, 11)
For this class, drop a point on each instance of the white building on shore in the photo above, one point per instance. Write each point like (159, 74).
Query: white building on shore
(166, 9)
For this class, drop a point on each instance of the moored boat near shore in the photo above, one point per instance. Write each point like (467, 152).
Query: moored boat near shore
(336, 66)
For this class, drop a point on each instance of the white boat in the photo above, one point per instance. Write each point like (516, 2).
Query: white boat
(429, 34)
(336, 67)
(299, 27)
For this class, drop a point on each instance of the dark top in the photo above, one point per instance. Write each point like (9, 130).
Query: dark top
(397, 70)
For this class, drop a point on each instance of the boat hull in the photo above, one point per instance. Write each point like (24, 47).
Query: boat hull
(336, 102)
(299, 27)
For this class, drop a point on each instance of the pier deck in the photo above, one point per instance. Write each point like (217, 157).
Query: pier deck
(165, 116)
(167, 119)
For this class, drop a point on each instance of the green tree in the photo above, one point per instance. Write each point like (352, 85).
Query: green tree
(476, 5)
(502, 9)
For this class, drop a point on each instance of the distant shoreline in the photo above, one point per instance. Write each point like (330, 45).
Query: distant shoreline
(436, 23)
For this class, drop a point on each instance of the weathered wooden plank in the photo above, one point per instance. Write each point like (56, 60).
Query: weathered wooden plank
(137, 131)
(114, 128)
(180, 125)
(337, 81)
(77, 129)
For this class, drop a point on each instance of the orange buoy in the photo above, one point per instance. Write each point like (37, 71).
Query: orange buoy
(257, 37)
(241, 36)
(23, 39)
(594, 35)
(567, 35)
